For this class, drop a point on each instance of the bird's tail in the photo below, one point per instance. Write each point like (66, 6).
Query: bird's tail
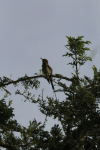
(49, 79)
(51, 82)
(52, 85)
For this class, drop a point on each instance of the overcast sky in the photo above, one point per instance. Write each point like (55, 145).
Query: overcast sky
(32, 29)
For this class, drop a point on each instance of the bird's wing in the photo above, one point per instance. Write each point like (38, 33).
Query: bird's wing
(49, 69)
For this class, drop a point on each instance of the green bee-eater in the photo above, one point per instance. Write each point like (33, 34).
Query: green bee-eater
(47, 70)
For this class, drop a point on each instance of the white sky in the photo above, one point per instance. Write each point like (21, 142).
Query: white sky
(33, 29)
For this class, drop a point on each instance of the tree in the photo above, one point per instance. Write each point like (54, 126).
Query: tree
(77, 113)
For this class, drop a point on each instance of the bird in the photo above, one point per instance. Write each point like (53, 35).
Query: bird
(47, 70)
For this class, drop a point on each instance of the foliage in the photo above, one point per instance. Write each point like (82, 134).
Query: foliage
(77, 113)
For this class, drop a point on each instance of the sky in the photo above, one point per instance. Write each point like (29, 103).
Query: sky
(33, 29)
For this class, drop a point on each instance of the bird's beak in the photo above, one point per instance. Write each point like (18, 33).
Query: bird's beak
(40, 58)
